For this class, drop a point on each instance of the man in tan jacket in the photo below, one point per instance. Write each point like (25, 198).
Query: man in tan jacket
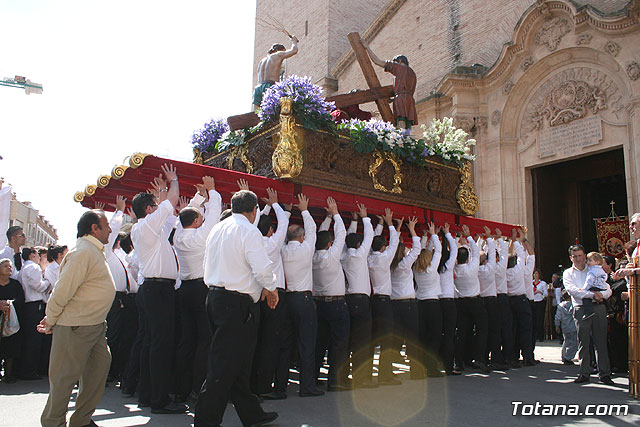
(76, 315)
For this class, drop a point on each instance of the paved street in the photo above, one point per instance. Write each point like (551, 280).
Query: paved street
(469, 400)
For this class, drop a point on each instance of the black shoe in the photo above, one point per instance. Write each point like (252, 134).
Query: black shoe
(480, 367)
(568, 362)
(274, 395)
(265, 418)
(515, 364)
(499, 366)
(607, 380)
(529, 362)
(365, 384)
(339, 387)
(127, 392)
(171, 408)
(392, 380)
(143, 404)
(582, 379)
(311, 393)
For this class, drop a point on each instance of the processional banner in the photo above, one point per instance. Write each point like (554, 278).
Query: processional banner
(613, 233)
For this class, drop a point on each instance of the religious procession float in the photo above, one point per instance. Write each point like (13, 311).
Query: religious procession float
(298, 141)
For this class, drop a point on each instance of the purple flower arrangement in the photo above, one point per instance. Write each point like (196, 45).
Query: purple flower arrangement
(205, 139)
(309, 106)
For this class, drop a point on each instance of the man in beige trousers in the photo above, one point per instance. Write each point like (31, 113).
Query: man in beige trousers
(76, 315)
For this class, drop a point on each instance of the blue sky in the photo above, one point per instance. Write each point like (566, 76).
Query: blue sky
(119, 77)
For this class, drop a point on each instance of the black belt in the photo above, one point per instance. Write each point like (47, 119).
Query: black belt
(491, 297)
(382, 297)
(299, 292)
(357, 296)
(225, 290)
(404, 300)
(329, 298)
(199, 279)
(517, 296)
(160, 280)
(446, 299)
(477, 296)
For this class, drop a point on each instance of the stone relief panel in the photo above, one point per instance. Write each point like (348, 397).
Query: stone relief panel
(583, 39)
(552, 32)
(527, 62)
(495, 117)
(633, 71)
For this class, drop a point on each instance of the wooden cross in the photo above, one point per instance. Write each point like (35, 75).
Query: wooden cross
(613, 213)
(370, 75)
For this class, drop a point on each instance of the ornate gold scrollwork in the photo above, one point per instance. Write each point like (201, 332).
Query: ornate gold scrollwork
(90, 190)
(118, 171)
(379, 159)
(239, 152)
(79, 196)
(103, 181)
(197, 156)
(287, 157)
(466, 196)
(137, 159)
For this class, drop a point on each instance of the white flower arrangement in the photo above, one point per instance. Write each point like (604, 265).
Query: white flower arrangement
(447, 141)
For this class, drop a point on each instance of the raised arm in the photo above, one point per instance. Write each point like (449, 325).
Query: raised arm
(326, 223)
(453, 248)
(213, 208)
(309, 223)
(437, 252)
(374, 58)
(339, 232)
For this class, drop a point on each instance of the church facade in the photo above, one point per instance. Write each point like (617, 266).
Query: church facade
(549, 89)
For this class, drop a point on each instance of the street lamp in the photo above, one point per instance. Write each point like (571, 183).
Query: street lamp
(23, 83)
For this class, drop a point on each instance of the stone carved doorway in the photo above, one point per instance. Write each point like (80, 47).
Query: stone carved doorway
(566, 198)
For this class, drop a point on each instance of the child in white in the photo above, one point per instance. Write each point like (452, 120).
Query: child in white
(596, 282)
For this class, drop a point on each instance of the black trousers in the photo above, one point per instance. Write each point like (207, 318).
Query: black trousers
(132, 375)
(235, 318)
(430, 327)
(471, 312)
(407, 328)
(158, 347)
(449, 320)
(540, 308)
(333, 335)
(122, 322)
(506, 329)
(32, 340)
(382, 334)
(492, 307)
(273, 351)
(305, 323)
(195, 337)
(521, 311)
(534, 324)
(360, 336)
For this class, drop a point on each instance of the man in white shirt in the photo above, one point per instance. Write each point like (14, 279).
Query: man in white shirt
(150, 236)
(11, 238)
(189, 242)
(517, 281)
(328, 292)
(297, 260)
(593, 328)
(506, 317)
(238, 273)
(379, 262)
(469, 306)
(634, 230)
(36, 295)
(356, 271)
(275, 334)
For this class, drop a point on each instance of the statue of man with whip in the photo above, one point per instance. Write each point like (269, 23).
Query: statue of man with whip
(270, 66)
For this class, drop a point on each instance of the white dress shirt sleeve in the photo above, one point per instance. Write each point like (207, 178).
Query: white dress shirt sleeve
(353, 227)
(32, 278)
(309, 230)
(424, 240)
(158, 220)
(260, 263)
(453, 251)
(5, 207)
(116, 225)
(475, 253)
(437, 252)
(213, 208)
(196, 201)
(266, 210)
(503, 250)
(576, 290)
(394, 239)
(339, 235)
(283, 223)
(378, 229)
(367, 239)
(413, 254)
(324, 225)
(491, 254)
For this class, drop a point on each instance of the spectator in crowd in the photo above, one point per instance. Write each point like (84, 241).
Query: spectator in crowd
(566, 324)
(10, 289)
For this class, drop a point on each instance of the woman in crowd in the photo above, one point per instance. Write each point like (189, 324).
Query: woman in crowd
(10, 289)
(447, 304)
(618, 338)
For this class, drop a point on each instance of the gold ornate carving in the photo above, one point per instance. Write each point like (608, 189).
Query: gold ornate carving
(552, 31)
(118, 171)
(287, 157)
(197, 156)
(79, 196)
(239, 152)
(379, 159)
(137, 159)
(466, 196)
(90, 190)
(103, 180)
